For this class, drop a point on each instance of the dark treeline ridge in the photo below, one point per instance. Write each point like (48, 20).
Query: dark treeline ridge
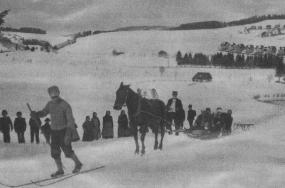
(230, 60)
(24, 30)
(218, 24)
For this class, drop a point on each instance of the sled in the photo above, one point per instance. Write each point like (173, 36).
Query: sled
(202, 134)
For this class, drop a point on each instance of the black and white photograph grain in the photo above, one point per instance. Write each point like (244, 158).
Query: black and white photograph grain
(142, 93)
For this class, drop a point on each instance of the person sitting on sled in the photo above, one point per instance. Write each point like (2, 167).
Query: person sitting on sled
(63, 130)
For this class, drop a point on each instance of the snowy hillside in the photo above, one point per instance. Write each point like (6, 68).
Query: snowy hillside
(88, 75)
(149, 43)
(50, 37)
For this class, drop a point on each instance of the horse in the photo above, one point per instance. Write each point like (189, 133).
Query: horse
(143, 113)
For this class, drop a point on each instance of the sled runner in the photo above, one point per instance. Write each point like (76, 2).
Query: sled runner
(202, 134)
(199, 134)
(51, 181)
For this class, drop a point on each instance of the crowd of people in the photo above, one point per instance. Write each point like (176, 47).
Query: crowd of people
(20, 126)
(92, 130)
(91, 127)
(219, 121)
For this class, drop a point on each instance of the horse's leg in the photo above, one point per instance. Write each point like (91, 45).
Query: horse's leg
(143, 133)
(136, 139)
(156, 140)
(162, 135)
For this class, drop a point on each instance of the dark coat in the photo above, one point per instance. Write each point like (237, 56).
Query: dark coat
(191, 115)
(218, 122)
(180, 113)
(107, 131)
(178, 105)
(96, 125)
(20, 124)
(88, 134)
(45, 129)
(228, 122)
(123, 128)
(35, 124)
(6, 124)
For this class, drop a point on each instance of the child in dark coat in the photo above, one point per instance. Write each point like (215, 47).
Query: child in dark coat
(20, 127)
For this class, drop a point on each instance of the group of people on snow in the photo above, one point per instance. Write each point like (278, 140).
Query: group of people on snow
(91, 127)
(20, 126)
(213, 122)
(92, 130)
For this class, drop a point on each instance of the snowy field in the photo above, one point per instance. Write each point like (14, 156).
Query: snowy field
(89, 75)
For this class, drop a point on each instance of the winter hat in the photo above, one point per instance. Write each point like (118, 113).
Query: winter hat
(4, 112)
(54, 91)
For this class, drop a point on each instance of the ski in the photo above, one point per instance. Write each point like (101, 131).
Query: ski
(57, 179)
(65, 177)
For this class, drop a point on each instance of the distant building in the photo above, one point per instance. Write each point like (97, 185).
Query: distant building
(268, 27)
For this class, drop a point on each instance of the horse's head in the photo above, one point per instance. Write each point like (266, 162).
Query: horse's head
(121, 96)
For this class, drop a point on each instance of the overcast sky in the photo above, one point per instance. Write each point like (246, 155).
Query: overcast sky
(78, 15)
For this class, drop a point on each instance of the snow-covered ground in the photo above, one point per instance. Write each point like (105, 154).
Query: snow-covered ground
(89, 75)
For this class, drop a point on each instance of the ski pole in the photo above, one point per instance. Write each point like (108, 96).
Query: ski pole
(36, 120)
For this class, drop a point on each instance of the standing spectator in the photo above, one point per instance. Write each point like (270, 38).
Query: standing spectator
(20, 126)
(123, 128)
(6, 126)
(107, 131)
(96, 124)
(88, 134)
(228, 123)
(35, 125)
(191, 116)
(46, 130)
(175, 110)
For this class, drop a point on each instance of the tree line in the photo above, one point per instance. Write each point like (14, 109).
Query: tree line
(229, 60)
(24, 30)
(219, 24)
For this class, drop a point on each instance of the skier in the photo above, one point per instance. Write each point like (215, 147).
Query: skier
(6, 126)
(20, 127)
(123, 128)
(35, 124)
(46, 130)
(191, 116)
(107, 131)
(96, 124)
(63, 130)
(174, 110)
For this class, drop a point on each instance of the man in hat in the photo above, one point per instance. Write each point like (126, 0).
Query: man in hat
(62, 129)
(191, 116)
(175, 111)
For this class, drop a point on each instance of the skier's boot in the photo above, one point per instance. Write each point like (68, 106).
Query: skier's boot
(59, 171)
(78, 164)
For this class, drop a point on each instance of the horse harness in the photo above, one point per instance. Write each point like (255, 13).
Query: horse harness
(139, 110)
